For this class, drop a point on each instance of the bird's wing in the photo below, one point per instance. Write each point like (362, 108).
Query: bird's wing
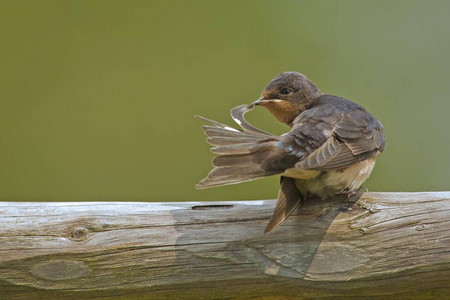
(322, 139)
(353, 136)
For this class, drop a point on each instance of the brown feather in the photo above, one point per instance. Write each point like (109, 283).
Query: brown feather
(289, 198)
(242, 153)
(330, 149)
(238, 113)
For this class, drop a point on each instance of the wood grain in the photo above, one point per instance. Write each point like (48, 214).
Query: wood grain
(384, 246)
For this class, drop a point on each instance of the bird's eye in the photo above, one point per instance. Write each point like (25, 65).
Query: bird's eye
(285, 91)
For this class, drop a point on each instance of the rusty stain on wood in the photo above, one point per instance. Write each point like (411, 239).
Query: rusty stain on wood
(384, 245)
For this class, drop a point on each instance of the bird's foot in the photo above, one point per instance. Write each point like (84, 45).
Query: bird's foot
(363, 187)
(351, 194)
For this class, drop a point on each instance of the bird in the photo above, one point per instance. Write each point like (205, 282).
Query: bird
(330, 149)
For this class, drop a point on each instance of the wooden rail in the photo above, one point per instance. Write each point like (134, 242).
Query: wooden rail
(384, 246)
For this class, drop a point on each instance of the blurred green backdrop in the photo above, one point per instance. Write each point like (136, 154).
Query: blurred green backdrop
(98, 97)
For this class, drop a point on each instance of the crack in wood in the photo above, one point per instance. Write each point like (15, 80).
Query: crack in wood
(211, 206)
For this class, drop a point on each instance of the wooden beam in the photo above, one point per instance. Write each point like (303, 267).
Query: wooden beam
(384, 246)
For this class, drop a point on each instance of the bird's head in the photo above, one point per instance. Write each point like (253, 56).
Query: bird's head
(287, 95)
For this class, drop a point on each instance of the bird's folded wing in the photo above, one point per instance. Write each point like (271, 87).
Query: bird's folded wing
(354, 137)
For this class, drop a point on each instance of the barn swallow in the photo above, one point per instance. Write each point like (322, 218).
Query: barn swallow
(330, 149)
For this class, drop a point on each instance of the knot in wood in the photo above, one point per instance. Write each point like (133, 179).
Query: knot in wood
(79, 233)
(56, 270)
(420, 227)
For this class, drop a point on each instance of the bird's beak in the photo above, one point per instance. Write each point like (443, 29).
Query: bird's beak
(262, 101)
(258, 102)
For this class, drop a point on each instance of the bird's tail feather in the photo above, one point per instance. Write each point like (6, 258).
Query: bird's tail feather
(240, 152)
(289, 198)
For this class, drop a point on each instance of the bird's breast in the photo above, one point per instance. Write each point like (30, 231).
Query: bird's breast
(329, 183)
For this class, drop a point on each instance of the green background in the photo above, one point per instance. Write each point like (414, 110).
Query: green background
(98, 97)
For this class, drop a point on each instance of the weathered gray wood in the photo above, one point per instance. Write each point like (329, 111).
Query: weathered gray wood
(386, 246)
